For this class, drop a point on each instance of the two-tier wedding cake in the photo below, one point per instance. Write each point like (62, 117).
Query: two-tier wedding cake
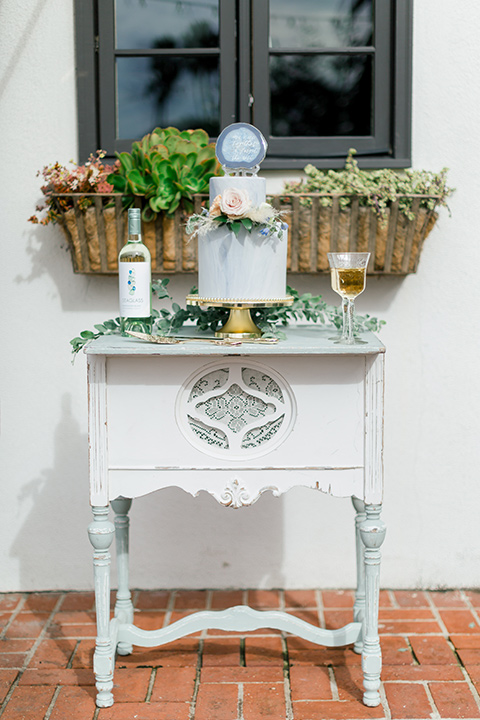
(242, 241)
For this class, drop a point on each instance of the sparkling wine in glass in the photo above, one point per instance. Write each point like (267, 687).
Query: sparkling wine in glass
(348, 274)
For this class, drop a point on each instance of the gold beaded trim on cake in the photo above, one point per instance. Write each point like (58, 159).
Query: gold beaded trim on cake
(195, 299)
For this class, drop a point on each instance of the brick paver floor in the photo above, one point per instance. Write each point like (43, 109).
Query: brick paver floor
(430, 643)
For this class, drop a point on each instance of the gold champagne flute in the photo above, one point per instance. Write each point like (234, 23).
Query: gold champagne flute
(348, 275)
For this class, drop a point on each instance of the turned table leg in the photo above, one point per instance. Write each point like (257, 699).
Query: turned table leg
(372, 531)
(123, 605)
(359, 604)
(100, 532)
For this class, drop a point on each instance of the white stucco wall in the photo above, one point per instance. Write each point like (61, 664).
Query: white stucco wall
(432, 451)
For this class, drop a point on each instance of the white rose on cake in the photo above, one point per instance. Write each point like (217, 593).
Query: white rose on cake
(235, 203)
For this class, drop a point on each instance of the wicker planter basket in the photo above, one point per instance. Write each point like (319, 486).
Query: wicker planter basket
(96, 235)
(394, 241)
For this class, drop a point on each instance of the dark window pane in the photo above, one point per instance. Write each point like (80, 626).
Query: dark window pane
(329, 95)
(166, 23)
(320, 23)
(182, 92)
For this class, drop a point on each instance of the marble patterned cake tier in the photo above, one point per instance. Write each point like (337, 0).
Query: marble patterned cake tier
(250, 266)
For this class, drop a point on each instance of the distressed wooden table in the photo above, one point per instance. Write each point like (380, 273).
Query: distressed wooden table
(236, 422)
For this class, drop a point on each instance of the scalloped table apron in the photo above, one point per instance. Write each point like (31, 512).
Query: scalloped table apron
(236, 422)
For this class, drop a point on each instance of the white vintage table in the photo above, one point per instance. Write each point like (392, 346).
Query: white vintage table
(236, 422)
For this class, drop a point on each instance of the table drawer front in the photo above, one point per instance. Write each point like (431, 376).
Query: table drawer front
(276, 412)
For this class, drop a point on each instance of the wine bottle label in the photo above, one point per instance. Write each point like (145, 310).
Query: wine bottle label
(135, 292)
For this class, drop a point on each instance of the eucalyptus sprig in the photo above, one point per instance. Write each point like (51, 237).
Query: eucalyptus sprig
(168, 321)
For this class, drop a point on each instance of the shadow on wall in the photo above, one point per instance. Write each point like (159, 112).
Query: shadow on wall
(174, 535)
(49, 253)
(23, 42)
(46, 544)
(378, 297)
(176, 540)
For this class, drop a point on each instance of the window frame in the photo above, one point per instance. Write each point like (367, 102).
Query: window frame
(107, 55)
(247, 60)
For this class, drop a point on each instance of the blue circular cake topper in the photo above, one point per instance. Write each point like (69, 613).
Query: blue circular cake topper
(241, 146)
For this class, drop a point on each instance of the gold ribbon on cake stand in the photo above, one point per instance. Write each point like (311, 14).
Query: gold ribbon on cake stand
(239, 325)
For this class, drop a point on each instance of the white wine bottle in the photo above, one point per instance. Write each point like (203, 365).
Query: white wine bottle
(135, 277)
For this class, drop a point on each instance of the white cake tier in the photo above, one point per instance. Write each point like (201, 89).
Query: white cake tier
(248, 267)
(255, 187)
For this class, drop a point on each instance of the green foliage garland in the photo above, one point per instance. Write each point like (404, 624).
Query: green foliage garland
(168, 322)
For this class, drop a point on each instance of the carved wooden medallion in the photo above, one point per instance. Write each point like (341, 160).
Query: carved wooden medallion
(236, 409)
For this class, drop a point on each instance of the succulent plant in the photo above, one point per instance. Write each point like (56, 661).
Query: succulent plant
(166, 167)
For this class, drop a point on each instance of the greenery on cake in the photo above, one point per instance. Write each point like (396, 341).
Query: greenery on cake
(234, 209)
(168, 321)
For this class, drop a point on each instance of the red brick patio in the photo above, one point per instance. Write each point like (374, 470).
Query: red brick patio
(430, 643)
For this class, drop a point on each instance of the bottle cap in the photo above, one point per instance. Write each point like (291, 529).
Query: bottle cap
(134, 221)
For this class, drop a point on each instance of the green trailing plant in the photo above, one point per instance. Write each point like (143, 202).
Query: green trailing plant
(166, 168)
(374, 188)
(168, 321)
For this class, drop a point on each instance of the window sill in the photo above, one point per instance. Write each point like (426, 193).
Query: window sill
(366, 163)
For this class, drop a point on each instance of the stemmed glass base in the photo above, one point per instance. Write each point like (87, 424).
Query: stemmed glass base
(353, 341)
(348, 336)
(341, 336)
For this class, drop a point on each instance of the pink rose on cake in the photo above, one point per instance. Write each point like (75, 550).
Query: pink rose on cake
(234, 203)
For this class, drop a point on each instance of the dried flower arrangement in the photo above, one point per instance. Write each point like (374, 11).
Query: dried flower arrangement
(92, 177)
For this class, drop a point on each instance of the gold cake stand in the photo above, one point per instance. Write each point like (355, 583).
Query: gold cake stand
(239, 324)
